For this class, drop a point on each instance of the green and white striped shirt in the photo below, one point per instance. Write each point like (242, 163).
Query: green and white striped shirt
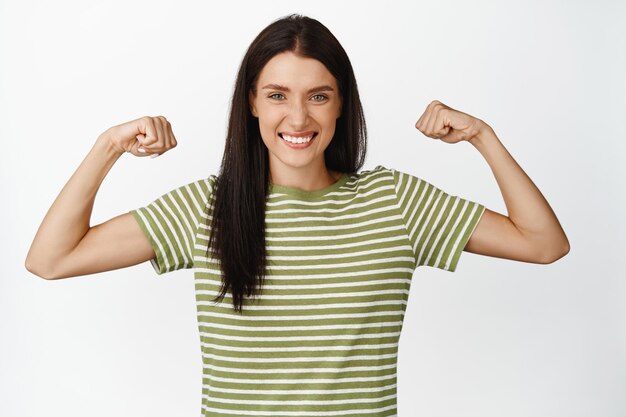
(322, 338)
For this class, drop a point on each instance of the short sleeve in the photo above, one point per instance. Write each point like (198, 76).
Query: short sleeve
(171, 224)
(439, 225)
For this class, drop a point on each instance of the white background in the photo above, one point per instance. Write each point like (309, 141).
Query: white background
(494, 338)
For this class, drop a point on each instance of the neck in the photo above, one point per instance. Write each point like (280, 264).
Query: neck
(304, 179)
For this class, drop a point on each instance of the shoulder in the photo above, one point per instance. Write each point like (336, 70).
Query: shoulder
(205, 185)
(366, 180)
(378, 171)
(379, 174)
(194, 193)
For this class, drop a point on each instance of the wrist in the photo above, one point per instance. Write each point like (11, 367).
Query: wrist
(485, 135)
(106, 145)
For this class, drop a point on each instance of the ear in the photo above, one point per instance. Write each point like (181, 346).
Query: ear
(251, 104)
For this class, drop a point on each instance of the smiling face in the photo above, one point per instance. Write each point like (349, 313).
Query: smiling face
(297, 100)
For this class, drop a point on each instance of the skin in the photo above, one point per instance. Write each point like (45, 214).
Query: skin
(296, 108)
(531, 232)
(66, 245)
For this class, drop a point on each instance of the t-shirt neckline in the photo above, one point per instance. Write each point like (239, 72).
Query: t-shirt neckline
(297, 192)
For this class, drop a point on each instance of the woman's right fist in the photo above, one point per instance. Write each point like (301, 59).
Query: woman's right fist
(142, 137)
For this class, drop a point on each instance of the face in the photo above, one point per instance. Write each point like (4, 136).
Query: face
(297, 99)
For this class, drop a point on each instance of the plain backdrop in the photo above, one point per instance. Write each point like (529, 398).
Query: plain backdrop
(494, 338)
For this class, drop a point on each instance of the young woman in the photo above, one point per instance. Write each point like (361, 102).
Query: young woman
(302, 263)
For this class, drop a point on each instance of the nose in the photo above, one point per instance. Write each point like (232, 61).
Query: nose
(298, 115)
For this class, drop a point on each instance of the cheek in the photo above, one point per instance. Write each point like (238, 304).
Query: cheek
(329, 122)
(332, 113)
(269, 119)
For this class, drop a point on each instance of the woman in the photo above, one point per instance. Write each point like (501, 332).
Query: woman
(302, 264)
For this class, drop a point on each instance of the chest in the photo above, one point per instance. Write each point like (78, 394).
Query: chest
(348, 256)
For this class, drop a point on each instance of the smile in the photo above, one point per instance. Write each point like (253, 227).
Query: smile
(297, 139)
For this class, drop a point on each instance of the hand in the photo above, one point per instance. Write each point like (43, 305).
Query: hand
(442, 122)
(142, 137)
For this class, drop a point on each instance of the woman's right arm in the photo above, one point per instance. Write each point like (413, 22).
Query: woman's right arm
(65, 244)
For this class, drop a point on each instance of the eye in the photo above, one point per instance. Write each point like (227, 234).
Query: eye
(272, 96)
(321, 97)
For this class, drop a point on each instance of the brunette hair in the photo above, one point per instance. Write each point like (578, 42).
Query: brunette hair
(237, 238)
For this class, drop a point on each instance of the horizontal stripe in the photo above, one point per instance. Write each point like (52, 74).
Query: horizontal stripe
(256, 412)
(306, 392)
(230, 338)
(301, 349)
(275, 371)
(341, 381)
(301, 401)
(303, 216)
(203, 281)
(202, 272)
(345, 236)
(312, 296)
(301, 359)
(276, 246)
(330, 307)
(318, 266)
(310, 253)
(321, 337)
(284, 328)
(329, 316)
(329, 206)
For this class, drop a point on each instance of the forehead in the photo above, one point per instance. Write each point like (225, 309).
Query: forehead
(295, 72)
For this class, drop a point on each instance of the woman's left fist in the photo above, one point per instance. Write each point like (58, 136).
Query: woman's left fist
(442, 122)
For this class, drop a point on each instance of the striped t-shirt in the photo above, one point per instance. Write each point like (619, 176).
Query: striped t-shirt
(322, 338)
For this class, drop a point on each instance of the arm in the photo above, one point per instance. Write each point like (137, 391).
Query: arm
(531, 232)
(65, 244)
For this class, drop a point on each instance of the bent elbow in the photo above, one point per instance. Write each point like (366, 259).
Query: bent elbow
(36, 270)
(553, 254)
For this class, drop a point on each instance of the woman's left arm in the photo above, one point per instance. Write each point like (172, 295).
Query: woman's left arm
(531, 232)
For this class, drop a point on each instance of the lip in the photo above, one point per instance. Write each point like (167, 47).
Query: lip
(299, 145)
(299, 134)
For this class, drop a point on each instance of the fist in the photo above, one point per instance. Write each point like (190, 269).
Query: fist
(142, 137)
(442, 122)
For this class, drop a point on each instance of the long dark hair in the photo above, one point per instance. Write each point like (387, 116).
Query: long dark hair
(237, 232)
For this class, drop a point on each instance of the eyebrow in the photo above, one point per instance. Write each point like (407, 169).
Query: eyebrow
(283, 88)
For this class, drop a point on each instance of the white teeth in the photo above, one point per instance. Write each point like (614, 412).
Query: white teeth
(297, 140)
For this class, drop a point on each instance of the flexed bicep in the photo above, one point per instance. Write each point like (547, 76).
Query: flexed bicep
(114, 244)
(497, 236)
